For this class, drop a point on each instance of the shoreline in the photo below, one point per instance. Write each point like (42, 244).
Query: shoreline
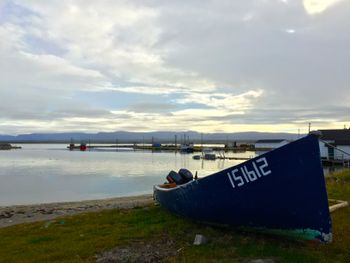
(18, 214)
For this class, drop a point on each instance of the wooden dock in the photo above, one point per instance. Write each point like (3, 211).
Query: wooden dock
(333, 162)
(160, 148)
(233, 158)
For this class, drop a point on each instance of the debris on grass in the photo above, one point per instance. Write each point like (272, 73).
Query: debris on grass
(154, 251)
(200, 240)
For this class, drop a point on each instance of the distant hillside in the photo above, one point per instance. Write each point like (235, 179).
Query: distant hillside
(131, 137)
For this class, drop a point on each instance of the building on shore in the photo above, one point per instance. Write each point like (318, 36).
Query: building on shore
(5, 146)
(8, 146)
(335, 144)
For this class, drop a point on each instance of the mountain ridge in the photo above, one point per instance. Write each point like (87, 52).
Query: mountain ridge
(158, 136)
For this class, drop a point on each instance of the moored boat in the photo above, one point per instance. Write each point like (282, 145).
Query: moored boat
(281, 190)
(187, 148)
(83, 146)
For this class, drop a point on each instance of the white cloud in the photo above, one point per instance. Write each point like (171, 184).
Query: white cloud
(318, 6)
(146, 90)
(224, 101)
(219, 62)
(290, 31)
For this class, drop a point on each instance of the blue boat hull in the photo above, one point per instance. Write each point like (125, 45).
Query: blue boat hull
(283, 189)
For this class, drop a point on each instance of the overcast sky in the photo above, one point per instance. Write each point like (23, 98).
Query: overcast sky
(142, 65)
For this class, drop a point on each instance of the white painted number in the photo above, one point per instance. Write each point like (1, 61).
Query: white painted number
(262, 167)
(235, 178)
(259, 168)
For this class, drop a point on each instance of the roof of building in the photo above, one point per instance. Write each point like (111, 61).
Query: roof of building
(270, 141)
(341, 142)
(336, 135)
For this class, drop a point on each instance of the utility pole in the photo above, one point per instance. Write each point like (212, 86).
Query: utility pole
(309, 127)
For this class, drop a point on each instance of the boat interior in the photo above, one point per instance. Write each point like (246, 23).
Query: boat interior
(167, 185)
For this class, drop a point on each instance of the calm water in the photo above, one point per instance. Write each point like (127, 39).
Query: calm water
(50, 173)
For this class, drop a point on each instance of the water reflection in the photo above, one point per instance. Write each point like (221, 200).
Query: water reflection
(51, 173)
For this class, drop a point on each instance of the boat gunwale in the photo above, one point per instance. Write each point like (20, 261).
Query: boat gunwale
(157, 186)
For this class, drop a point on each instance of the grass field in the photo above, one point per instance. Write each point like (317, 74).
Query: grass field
(79, 238)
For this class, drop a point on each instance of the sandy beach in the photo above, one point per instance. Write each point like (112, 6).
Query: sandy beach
(12, 215)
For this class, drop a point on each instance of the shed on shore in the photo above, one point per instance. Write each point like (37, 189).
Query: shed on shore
(331, 140)
(5, 146)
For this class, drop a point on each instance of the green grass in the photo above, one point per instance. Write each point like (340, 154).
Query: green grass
(338, 185)
(78, 238)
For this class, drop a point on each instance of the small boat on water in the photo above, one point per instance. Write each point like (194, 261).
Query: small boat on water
(280, 191)
(83, 146)
(208, 154)
(187, 148)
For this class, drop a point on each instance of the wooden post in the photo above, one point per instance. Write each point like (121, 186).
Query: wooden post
(339, 204)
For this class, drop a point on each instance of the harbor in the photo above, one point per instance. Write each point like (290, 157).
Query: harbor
(161, 147)
(170, 131)
(141, 231)
(53, 173)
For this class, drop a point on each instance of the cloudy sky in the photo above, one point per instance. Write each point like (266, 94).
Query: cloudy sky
(143, 65)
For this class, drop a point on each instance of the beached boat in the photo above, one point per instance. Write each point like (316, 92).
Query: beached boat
(280, 191)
